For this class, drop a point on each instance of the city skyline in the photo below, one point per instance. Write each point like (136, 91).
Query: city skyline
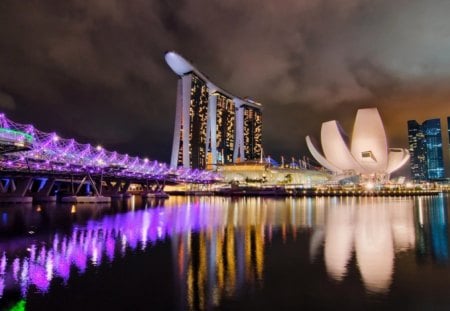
(98, 67)
(225, 155)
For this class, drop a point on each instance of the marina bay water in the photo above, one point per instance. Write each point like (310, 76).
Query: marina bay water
(203, 253)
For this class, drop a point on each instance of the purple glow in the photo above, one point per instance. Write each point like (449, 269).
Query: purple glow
(62, 267)
(79, 259)
(38, 277)
(53, 153)
(100, 240)
(2, 286)
(3, 264)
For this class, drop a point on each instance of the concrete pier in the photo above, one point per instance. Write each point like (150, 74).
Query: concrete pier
(85, 199)
(158, 194)
(43, 198)
(12, 199)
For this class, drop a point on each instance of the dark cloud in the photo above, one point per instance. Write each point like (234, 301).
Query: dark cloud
(373, 77)
(95, 70)
(7, 102)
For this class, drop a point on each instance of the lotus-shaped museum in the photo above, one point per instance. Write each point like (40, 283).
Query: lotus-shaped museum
(367, 154)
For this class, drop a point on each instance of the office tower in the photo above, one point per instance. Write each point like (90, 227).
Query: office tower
(418, 151)
(435, 160)
(448, 130)
(425, 141)
(212, 126)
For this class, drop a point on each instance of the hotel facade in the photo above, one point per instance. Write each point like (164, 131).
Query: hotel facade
(211, 126)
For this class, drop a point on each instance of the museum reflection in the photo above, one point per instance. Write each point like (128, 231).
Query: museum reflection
(219, 245)
(372, 230)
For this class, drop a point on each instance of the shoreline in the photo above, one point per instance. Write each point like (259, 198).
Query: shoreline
(280, 192)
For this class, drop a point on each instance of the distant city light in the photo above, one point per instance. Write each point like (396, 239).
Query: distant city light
(369, 186)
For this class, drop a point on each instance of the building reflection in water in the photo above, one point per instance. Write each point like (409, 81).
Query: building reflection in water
(432, 229)
(223, 255)
(218, 244)
(373, 229)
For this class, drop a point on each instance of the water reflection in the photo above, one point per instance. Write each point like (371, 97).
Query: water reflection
(374, 229)
(431, 230)
(219, 244)
(217, 261)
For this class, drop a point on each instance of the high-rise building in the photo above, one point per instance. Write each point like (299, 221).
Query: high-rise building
(252, 132)
(448, 130)
(435, 160)
(425, 143)
(191, 123)
(225, 128)
(211, 125)
(417, 151)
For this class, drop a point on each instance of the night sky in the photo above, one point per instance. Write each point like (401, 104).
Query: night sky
(95, 71)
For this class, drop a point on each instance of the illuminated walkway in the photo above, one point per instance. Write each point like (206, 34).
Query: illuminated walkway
(27, 154)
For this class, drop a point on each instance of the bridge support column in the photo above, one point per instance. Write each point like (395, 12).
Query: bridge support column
(118, 190)
(96, 198)
(156, 191)
(15, 190)
(124, 190)
(44, 192)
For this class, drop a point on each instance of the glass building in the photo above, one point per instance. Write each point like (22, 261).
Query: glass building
(448, 130)
(417, 151)
(425, 142)
(435, 160)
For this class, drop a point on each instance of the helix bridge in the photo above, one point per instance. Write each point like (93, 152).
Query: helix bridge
(27, 151)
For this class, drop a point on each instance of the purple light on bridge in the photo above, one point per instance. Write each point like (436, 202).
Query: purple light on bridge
(50, 152)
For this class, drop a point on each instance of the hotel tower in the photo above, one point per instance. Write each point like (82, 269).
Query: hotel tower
(211, 125)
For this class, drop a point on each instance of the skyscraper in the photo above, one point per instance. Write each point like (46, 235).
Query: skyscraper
(417, 150)
(211, 125)
(435, 160)
(191, 123)
(425, 143)
(448, 130)
(252, 132)
(225, 129)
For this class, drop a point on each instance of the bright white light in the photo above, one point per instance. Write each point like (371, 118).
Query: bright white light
(369, 186)
(99, 147)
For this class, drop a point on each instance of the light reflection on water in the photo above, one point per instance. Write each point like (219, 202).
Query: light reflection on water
(219, 244)
(375, 231)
